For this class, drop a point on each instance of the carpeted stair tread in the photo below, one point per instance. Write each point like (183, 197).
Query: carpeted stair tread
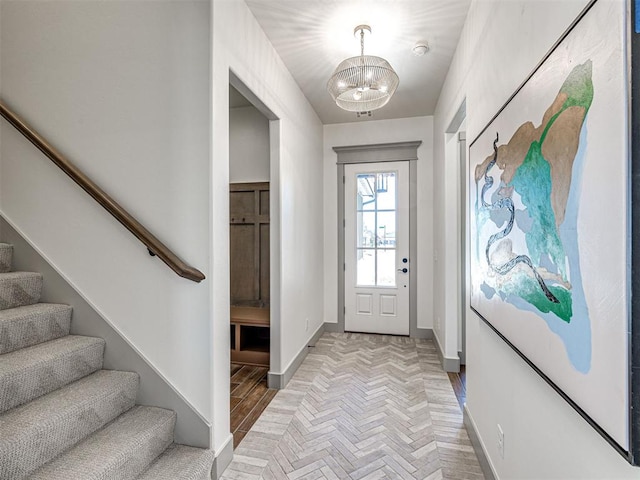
(6, 255)
(19, 288)
(29, 325)
(180, 462)
(121, 450)
(64, 418)
(33, 371)
(36, 432)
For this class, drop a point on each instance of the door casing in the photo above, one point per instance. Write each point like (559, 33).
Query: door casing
(388, 152)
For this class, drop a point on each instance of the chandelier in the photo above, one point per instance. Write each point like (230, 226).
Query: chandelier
(364, 83)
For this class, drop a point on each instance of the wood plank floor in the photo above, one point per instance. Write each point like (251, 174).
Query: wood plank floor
(249, 397)
(459, 384)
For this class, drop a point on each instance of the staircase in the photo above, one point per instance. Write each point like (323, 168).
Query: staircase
(62, 417)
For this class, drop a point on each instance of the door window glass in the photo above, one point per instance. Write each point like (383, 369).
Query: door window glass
(376, 218)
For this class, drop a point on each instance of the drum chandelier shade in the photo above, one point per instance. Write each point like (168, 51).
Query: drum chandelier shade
(364, 83)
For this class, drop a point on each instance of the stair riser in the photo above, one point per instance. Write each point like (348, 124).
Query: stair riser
(16, 291)
(38, 444)
(180, 461)
(34, 328)
(61, 416)
(149, 448)
(125, 459)
(25, 385)
(6, 256)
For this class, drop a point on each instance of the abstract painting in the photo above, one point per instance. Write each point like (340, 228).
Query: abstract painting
(548, 221)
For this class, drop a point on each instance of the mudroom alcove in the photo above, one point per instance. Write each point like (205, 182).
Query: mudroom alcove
(249, 265)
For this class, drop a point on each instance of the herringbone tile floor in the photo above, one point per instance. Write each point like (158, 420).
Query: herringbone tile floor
(361, 407)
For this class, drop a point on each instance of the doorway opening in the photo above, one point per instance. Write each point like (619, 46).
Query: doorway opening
(250, 257)
(376, 213)
(377, 196)
(456, 172)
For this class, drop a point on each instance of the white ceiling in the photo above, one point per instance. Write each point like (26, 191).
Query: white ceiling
(313, 36)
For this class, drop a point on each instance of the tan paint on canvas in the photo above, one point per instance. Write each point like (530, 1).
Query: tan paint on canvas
(559, 148)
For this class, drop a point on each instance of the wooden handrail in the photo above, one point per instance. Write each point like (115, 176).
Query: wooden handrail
(155, 246)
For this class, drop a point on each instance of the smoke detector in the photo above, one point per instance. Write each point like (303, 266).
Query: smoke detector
(420, 48)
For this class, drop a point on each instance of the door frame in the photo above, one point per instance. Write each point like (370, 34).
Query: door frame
(457, 129)
(376, 153)
(275, 253)
(463, 244)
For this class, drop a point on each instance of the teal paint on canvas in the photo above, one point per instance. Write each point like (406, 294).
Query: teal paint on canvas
(543, 276)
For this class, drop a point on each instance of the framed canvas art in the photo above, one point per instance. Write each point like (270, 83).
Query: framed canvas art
(551, 219)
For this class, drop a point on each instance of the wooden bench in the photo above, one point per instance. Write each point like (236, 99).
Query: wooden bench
(250, 335)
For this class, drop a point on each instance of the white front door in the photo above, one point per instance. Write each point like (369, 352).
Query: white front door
(376, 248)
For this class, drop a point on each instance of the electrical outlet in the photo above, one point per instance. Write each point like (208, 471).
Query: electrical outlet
(438, 323)
(500, 441)
(307, 325)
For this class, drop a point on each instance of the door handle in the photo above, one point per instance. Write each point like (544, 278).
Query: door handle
(403, 270)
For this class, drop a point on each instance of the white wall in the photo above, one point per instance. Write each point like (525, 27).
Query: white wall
(296, 185)
(248, 145)
(121, 88)
(544, 437)
(447, 252)
(372, 132)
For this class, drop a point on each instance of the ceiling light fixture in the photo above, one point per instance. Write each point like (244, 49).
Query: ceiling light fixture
(364, 83)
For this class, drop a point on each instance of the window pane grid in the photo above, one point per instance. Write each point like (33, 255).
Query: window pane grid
(381, 210)
(376, 229)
